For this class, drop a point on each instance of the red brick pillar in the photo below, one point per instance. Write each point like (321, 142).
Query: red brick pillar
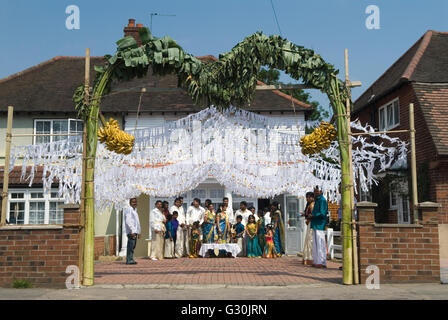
(429, 212)
(429, 255)
(366, 236)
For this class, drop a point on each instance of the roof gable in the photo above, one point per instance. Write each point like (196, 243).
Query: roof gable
(425, 61)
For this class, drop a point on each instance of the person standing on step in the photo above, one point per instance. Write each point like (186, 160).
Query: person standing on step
(132, 225)
(318, 222)
(157, 221)
(244, 213)
(308, 246)
(181, 245)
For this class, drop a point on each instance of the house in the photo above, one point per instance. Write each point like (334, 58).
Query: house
(419, 76)
(42, 100)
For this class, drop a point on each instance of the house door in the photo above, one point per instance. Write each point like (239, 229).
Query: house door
(294, 226)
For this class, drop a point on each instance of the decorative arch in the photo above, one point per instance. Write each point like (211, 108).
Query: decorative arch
(231, 80)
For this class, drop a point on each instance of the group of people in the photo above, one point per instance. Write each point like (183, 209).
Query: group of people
(176, 233)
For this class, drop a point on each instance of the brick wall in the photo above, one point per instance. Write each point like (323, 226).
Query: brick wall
(39, 253)
(403, 253)
(104, 246)
(333, 208)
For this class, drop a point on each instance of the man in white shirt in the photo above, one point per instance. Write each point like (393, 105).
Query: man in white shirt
(194, 213)
(267, 216)
(245, 213)
(229, 211)
(180, 249)
(157, 221)
(132, 225)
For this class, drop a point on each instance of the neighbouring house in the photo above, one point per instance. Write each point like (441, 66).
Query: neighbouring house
(42, 100)
(419, 76)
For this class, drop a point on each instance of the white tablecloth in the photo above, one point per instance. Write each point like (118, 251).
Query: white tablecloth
(229, 247)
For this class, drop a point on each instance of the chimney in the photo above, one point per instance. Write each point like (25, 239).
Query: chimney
(132, 30)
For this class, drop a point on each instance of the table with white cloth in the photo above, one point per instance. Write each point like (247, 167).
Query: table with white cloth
(233, 248)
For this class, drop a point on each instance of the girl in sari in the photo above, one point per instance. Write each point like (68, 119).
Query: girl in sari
(269, 249)
(208, 227)
(222, 222)
(308, 246)
(278, 230)
(195, 244)
(253, 248)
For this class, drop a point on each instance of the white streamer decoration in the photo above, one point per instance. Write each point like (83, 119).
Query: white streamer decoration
(250, 154)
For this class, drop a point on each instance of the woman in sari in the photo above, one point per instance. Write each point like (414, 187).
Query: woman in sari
(308, 246)
(253, 248)
(195, 244)
(223, 226)
(278, 229)
(208, 226)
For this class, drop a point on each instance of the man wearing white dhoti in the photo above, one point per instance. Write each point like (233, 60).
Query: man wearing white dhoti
(181, 249)
(194, 213)
(132, 225)
(318, 222)
(157, 221)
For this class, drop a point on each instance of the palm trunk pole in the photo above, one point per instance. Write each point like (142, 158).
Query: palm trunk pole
(344, 142)
(92, 139)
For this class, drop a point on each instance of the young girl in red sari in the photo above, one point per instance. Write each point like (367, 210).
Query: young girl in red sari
(269, 249)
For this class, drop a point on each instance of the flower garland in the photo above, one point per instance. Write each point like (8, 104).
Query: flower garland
(250, 154)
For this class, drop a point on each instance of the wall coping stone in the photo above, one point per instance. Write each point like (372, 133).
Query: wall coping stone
(366, 204)
(428, 204)
(32, 227)
(69, 206)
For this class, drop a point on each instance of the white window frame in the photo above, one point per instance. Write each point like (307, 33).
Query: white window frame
(27, 199)
(383, 108)
(51, 127)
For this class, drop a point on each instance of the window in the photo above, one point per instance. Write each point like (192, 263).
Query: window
(56, 126)
(389, 115)
(198, 193)
(34, 207)
(217, 193)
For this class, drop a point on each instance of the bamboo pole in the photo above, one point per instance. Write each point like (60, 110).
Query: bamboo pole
(413, 163)
(83, 181)
(6, 166)
(379, 132)
(350, 156)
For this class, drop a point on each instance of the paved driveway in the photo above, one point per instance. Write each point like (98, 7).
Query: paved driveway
(240, 271)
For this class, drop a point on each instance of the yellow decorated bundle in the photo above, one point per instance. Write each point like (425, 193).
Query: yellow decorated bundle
(116, 140)
(320, 139)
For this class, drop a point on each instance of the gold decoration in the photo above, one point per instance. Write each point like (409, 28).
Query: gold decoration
(320, 139)
(116, 139)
